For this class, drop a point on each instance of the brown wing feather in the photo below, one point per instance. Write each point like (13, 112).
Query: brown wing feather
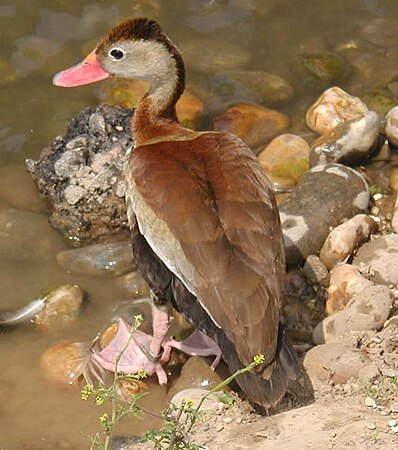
(213, 199)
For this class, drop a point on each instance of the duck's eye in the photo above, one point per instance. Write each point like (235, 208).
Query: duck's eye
(117, 54)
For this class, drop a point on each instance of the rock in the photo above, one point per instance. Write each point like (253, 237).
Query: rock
(349, 143)
(392, 126)
(133, 285)
(253, 85)
(18, 189)
(367, 310)
(394, 179)
(380, 258)
(81, 174)
(315, 271)
(196, 374)
(343, 239)
(125, 443)
(62, 307)
(369, 402)
(128, 388)
(394, 219)
(337, 363)
(61, 363)
(333, 108)
(345, 281)
(382, 32)
(323, 198)
(211, 55)
(114, 258)
(195, 395)
(27, 236)
(285, 159)
(321, 69)
(254, 124)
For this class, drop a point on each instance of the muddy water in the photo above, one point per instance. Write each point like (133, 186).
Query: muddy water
(39, 37)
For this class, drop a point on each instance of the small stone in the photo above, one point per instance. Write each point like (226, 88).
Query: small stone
(119, 128)
(369, 402)
(315, 271)
(254, 124)
(96, 124)
(69, 163)
(392, 423)
(394, 429)
(371, 426)
(114, 258)
(285, 159)
(333, 108)
(392, 126)
(62, 307)
(228, 420)
(74, 194)
(343, 239)
(349, 143)
(306, 224)
(380, 258)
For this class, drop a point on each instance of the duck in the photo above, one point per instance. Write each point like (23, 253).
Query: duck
(204, 222)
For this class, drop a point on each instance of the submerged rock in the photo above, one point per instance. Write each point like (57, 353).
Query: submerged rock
(27, 236)
(133, 285)
(381, 31)
(254, 124)
(343, 239)
(211, 55)
(349, 143)
(323, 198)
(81, 174)
(114, 258)
(285, 159)
(379, 257)
(338, 363)
(333, 108)
(254, 85)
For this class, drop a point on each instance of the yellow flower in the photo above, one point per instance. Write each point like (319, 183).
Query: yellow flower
(86, 391)
(104, 418)
(188, 403)
(99, 400)
(259, 359)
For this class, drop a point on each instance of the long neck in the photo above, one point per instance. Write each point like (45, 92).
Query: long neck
(155, 115)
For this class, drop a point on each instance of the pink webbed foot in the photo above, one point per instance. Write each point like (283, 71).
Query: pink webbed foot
(197, 344)
(136, 357)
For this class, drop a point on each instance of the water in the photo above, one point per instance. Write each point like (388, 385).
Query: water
(40, 37)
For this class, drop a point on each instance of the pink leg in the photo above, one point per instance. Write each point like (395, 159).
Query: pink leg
(161, 326)
(198, 344)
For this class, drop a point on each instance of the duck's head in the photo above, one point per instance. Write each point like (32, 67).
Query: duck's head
(135, 49)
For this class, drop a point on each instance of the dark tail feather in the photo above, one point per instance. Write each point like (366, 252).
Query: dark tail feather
(260, 391)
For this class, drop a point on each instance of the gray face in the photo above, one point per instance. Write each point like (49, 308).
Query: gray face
(148, 60)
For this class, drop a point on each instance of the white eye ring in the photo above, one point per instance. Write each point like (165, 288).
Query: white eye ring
(117, 54)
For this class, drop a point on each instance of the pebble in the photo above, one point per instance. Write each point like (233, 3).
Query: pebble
(69, 163)
(337, 192)
(285, 159)
(256, 86)
(349, 143)
(254, 124)
(96, 124)
(74, 194)
(369, 402)
(315, 271)
(228, 420)
(371, 426)
(337, 363)
(394, 429)
(114, 258)
(392, 423)
(62, 307)
(380, 258)
(212, 55)
(333, 108)
(391, 127)
(343, 239)
(366, 310)
(27, 236)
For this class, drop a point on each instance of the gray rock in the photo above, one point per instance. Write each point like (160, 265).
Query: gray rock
(93, 162)
(124, 442)
(26, 236)
(337, 363)
(315, 271)
(349, 143)
(392, 126)
(367, 310)
(379, 257)
(114, 258)
(323, 198)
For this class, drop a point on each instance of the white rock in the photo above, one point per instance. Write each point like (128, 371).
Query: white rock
(343, 239)
(369, 402)
(332, 108)
(73, 194)
(392, 423)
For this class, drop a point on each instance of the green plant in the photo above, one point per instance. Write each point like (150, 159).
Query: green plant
(178, 420)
